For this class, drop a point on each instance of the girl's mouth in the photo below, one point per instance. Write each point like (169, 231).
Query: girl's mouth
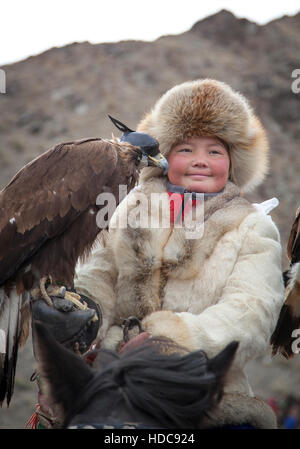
(198, 175)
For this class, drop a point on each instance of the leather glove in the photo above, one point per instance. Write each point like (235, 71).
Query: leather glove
(76, 329)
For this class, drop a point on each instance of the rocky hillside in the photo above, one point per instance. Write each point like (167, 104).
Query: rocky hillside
(66, 93)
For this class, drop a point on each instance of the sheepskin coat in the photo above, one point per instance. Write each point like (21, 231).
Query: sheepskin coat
(202, 292)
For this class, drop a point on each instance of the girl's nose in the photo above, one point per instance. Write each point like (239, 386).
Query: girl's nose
(200, 162)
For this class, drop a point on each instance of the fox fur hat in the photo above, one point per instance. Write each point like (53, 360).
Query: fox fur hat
(210, 108)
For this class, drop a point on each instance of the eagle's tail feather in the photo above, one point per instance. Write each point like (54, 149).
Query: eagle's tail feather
(10, 318)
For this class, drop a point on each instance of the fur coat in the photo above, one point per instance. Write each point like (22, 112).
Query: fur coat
(202, 292)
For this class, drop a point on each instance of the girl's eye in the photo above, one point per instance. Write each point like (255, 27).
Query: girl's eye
(184, 150)
(216, 151)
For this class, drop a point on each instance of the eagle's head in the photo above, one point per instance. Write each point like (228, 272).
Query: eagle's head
(149, 154)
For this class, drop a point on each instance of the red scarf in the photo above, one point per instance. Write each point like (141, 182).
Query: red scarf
(178, 207)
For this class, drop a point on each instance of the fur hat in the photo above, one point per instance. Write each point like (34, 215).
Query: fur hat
(210, 108)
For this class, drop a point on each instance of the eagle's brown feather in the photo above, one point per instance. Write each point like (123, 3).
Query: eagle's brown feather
(58, 170)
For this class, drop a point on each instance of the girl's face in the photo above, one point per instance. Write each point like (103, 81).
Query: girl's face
(200, 164)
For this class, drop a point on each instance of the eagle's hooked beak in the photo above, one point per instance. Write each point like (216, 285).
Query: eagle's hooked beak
(158, 161)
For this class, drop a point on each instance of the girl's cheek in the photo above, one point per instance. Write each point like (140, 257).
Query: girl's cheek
(222, 167)
(176, 164)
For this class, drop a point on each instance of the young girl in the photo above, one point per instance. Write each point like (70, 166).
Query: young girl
(202, 292)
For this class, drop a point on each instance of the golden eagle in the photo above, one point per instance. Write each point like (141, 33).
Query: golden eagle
(289, 318)
(48, 222)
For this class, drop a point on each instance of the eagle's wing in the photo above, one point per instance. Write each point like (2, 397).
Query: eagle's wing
(289, 318)
(40, 201)
(52, 189)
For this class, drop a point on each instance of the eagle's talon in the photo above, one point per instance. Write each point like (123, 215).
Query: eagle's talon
(51, 290)
(75, 298)
(44, 293)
